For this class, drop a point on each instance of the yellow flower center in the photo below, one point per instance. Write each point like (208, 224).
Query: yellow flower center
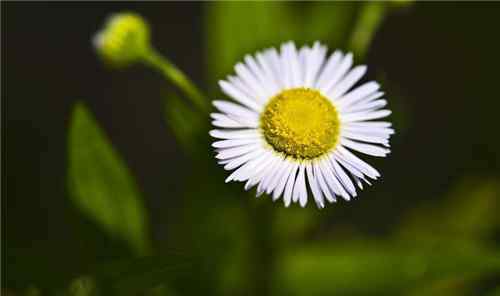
(301, 123)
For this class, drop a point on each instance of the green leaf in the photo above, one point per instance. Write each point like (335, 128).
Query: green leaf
(236, 28)
(101, 185)
(131, 276)
(470, 211)
(495, 292)
(378, 268)
(82, 286)
(328, 22)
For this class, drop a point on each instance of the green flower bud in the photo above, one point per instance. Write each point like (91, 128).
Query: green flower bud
(123, 40)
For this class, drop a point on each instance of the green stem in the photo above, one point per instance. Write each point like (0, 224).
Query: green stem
(369, 19)
(176, 77)
(264, 253)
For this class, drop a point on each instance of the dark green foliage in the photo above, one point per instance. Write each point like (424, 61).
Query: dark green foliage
(101, 185)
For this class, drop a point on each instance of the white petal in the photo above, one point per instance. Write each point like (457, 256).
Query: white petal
(222, 120)
(227, 124)
(295, 192)
(283, 180)
(362, 116)
(314, 60)
(303, 55)
(250, 81)
(337, 74)
(303, 192)
(369, 106)
(326, 72)
(233, 143)
(358, 182)
(260, 173)
(272, 83)
(382, 132)
(238, 161)
(365, 138)
(295, 67)
(250, 168)
(287, 198)
(329, 195)
(243, 88)
(365, 148)
(235, 110)
(351, 169)
(299, 190)
(269, 183)
(286, 70)
(261, 166)
(362, 101)
(284, 167)
(239, 96)
(274, 60)
(357, 162)
(359, 93)
(244, 171)
(268, 176)
(347, 82)
(369, 124)
(333, 181)
(259, 74)
(235, 134)
(343, 177)
(318, 197)
(237, 151)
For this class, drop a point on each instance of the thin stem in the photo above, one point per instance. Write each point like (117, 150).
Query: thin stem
(264, 253)
(176, 77)
(369, 19)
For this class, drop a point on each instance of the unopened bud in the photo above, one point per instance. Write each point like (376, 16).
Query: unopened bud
(123, 40)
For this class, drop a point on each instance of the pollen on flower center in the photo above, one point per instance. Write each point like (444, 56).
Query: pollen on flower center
(300, 122)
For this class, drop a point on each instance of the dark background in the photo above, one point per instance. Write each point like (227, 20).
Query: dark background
(439, 60)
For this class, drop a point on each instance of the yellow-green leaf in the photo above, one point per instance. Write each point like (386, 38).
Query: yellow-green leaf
(101, 185)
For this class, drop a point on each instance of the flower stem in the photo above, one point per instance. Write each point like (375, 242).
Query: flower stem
(368, 21)
(264, 253)
(176, 77)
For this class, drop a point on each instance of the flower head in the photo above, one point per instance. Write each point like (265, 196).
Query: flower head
(296, 120)
(123, 40)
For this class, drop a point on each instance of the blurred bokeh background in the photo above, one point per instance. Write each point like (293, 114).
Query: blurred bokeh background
(110, 186)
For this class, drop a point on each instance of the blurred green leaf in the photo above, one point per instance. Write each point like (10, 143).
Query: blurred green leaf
(234, 29)
(291, 224)
(145, 275)
(101, 185)
(32, 291)
(376, 268)
(459, 286)
(495, 292)
(184, 122)
(131, 276)
(161, 290)
(328, 22)
(401, 3)
(470, 211)
(82, 286)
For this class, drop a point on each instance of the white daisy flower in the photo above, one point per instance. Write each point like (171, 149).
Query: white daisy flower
(296, 121)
